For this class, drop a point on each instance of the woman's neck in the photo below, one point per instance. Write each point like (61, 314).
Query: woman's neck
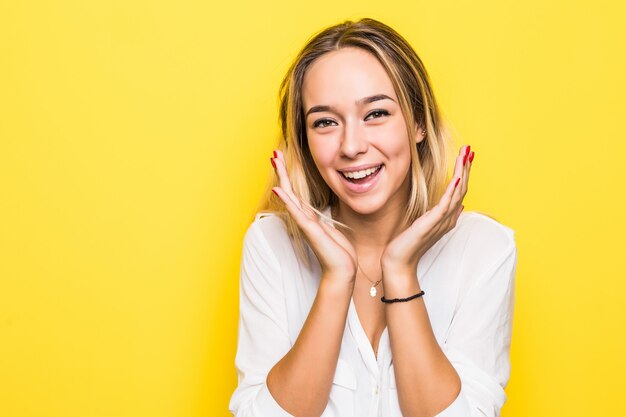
(372, 232)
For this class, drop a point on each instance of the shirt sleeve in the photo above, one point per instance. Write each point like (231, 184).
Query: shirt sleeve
(479, 340)
(263, 337)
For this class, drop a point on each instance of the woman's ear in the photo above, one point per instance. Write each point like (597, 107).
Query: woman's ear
(420, 134)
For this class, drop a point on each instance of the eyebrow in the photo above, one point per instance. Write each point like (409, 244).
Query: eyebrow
(364, 100)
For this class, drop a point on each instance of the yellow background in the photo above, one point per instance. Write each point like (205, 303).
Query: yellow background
(134, 145)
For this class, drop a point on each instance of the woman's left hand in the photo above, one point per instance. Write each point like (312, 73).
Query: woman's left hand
(403, 253)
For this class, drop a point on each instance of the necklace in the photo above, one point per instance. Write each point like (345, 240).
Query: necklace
(374, 284)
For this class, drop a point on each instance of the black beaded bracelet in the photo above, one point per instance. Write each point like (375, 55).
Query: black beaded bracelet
(395, 300)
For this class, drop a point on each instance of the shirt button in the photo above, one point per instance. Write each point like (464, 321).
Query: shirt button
(376, 390)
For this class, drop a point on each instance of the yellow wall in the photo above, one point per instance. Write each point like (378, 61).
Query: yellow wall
(134, 143)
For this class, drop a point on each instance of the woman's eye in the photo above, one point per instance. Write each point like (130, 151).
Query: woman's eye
(322, 123)
(327, 122)
(377, 113)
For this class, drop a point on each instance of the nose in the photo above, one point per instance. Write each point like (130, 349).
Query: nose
(353, 141)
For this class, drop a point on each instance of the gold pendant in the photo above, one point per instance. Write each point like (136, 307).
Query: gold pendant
(373, 291)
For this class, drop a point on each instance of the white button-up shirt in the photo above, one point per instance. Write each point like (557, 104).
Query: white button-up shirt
(468, 281)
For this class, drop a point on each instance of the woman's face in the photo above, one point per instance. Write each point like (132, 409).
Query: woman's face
(354, 124)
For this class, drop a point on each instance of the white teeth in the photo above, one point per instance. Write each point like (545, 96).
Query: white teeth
(361, 174)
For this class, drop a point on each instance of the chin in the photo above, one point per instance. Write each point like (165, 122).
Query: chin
(364, 206)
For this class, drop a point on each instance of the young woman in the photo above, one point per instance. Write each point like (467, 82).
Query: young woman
(365, 288)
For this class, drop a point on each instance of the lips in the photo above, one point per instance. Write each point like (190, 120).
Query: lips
(357, 176)
(362, 185)
(359, 167)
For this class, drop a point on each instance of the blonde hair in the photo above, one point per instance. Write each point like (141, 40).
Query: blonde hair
(429, 158)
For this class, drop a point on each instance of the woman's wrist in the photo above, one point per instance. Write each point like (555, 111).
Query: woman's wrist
(400, 282)
(336, 285)
(393, 269)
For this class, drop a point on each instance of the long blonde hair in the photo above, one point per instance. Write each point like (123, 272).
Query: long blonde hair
(429, 158)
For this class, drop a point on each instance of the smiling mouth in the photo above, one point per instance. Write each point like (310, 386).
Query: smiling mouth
(363, 176)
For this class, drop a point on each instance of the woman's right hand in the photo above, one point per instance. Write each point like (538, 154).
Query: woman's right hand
(334, 251)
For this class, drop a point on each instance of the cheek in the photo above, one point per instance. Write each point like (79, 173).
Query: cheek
(322, 152)
(393, 139)
(322, 161)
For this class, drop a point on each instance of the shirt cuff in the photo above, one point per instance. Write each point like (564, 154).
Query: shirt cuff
(266, 405)
(459, 407)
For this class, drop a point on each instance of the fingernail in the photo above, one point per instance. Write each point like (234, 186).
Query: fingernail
(467, 150)
(272, 161)
(275, 154)
(471, 157)
(457, 182)
(464, 160)
(274, 191)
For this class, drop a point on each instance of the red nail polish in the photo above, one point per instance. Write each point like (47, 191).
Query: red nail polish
(464, 160)
(467, 150)
(274, 191)
(275, 154)
(272, 161)
(471, 157)
(457, 182)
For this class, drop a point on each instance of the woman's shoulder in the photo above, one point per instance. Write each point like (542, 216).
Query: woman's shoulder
(267, 226)
(475, 220)
(269, 221)
(481, 232)
(476, 248)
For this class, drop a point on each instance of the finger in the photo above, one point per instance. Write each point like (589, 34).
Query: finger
(463, 165)
(443, 206)
(294, 210)
(439, 213)
(461, 189)
(464, 185)
(283, 178)
(468, 167)
(287, 183)
(451, 201)
(308, 211)
(446, 211)
(318, 234)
